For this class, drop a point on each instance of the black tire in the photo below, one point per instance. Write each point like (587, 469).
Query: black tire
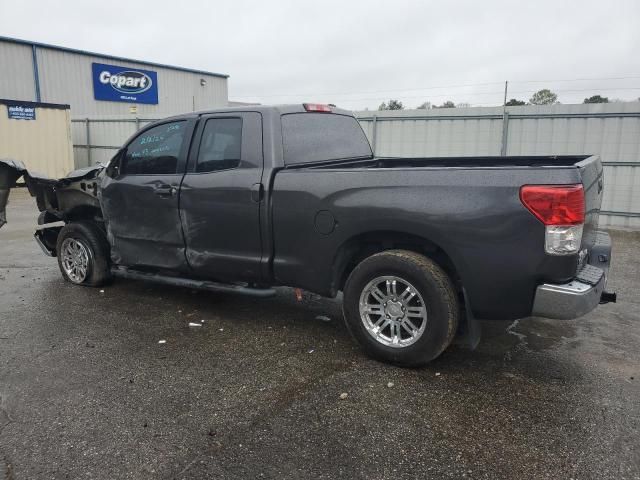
(438, 295)
(94, 240)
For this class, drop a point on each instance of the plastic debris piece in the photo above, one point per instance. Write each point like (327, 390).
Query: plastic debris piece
(323, 318)
(162, 341)
(311, 351)
(101, 291)
(343, 395)
(437, 374)
(194, 324)
(221, 329)
(390, 384)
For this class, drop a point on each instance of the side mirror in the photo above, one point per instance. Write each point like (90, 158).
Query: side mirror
(115, 164)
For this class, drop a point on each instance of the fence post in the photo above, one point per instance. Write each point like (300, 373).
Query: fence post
(505, 133)
(137, 124)
(374, 133)
(87, 129)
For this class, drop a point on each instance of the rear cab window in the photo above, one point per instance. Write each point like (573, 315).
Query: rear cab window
(310, 137)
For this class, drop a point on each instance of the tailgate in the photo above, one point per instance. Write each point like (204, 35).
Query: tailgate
(593, 182)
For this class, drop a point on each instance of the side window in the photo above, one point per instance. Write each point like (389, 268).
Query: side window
(220, 145)
(155, 151)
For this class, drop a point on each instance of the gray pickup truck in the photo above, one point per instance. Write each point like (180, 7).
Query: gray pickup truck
(246, 199)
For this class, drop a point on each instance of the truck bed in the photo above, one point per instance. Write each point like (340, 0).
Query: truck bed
(468, 207)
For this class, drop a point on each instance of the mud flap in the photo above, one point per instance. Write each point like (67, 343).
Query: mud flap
(469, 331)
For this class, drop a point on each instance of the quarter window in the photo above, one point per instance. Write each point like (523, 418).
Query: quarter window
(156, 150)
(220, 146)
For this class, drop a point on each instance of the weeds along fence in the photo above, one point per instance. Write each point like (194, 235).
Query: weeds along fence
(609, 130)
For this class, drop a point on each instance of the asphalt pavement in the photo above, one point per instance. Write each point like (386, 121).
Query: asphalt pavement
(87, 389)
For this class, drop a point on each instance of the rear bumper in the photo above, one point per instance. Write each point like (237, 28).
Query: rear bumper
(581, 295)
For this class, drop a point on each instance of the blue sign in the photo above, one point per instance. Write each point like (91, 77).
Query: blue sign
(21, 111)
(124, 84)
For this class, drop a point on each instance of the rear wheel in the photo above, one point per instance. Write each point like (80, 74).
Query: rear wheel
(83, 254)
(401, 307)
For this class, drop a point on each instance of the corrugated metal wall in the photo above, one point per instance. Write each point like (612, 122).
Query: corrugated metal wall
(609, 130)
(65, 77)
(52, 154)
(16, 72)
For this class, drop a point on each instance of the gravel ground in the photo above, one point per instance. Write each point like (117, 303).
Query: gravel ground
(258, 391)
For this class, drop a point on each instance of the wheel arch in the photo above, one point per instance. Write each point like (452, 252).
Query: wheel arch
(363, 245)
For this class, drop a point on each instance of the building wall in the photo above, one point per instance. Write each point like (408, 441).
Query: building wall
(65, 77)
(16, 72)
(52, 153)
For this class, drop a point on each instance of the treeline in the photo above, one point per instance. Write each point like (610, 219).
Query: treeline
(541, 97)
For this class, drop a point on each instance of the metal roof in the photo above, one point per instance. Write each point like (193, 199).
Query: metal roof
(110, 57)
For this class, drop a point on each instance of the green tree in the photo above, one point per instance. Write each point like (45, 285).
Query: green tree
(515, 103)
(447, 104)
(424, 106)
(543, 97)
(392, 105)
(596, 99)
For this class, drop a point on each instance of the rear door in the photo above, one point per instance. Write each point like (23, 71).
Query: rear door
(221, 197)
(139, 197)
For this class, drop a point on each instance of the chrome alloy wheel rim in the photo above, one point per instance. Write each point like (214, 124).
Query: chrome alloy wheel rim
(393, 311)
(75, 259)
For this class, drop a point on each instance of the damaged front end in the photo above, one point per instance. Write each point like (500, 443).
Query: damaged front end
(72, 197)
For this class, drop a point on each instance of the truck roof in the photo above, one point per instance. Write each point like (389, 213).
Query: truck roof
(267, 109)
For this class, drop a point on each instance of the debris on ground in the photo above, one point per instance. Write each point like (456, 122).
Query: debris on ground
(194, 324)
(343, 396)
(298, 293)
(101, 291)
(311, 351)
(437, 374)
(162, 341)
(323, 318)
(390, 385)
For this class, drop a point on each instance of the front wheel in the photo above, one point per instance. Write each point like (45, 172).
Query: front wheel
(83, 254)
(401, 307)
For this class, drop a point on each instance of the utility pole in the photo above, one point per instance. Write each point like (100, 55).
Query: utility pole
(505, 122)
(506, 87)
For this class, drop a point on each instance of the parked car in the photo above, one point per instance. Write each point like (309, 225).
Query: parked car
(245, 199)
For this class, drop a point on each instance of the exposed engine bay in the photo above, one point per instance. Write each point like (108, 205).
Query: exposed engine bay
(58, 200)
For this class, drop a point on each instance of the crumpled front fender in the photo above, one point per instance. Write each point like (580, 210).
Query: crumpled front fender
(48, 192)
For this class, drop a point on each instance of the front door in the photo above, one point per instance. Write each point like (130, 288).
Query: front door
(220, 198)
(140, 198)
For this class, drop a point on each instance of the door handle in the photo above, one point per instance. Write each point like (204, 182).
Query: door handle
(165, 191)
(257, 192)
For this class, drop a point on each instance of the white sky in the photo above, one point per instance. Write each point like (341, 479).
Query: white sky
(357, 54)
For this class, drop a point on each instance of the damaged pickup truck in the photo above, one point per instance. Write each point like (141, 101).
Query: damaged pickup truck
(246, 199)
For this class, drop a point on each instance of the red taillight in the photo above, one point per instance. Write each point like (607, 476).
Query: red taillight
(316, 107)
(555, 204)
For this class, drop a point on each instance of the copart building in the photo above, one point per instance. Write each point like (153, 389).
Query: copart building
(102, 98)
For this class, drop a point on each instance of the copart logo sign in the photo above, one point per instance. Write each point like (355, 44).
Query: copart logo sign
(124, 84)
